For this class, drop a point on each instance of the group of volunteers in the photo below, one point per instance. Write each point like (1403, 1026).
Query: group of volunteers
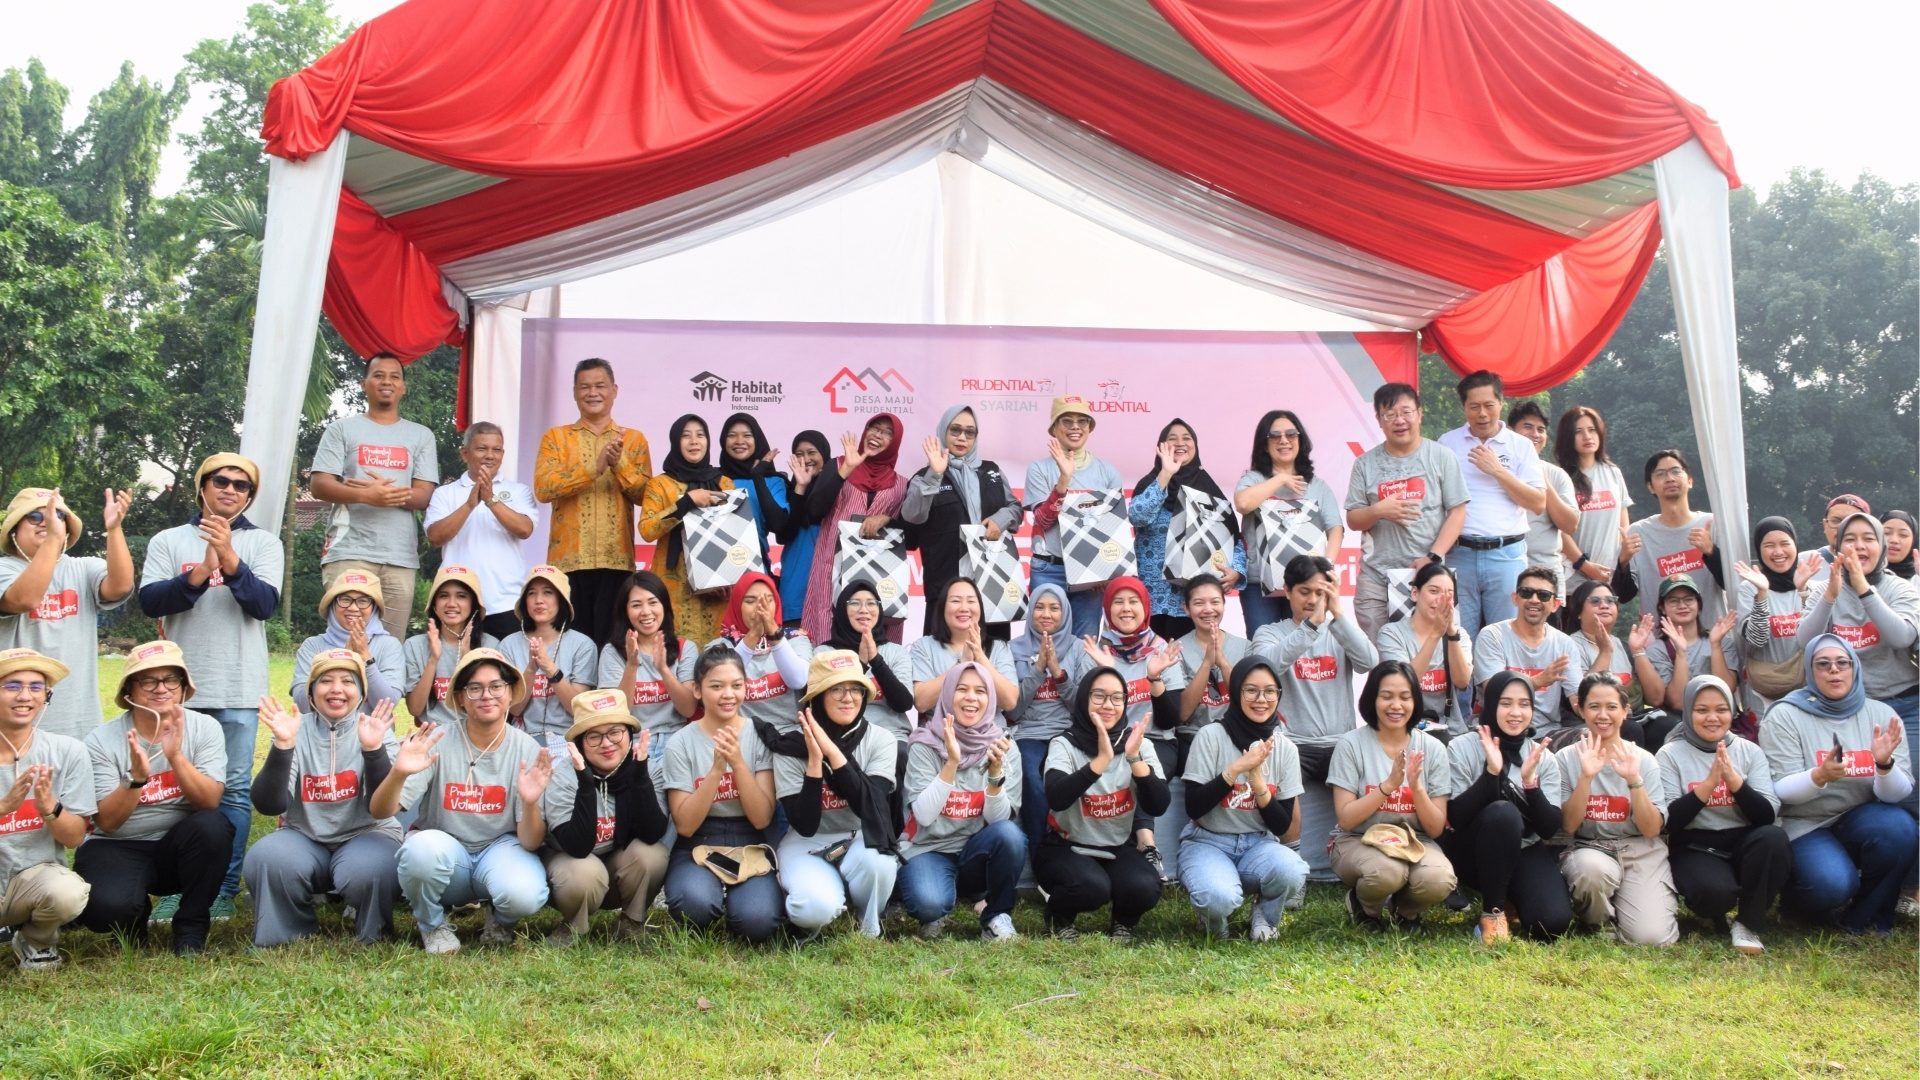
(776, 753)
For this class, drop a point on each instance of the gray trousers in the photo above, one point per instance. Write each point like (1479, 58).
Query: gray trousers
(286, 869)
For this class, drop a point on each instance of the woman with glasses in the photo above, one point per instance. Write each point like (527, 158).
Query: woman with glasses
(856, 629)
(957, 488)
(604, 822)
(351, 606)
(476, 785)
(455, 610)
(1157, 497)
(1068, 467)
(1281, 472)
(1592, 619)
(1683, 647)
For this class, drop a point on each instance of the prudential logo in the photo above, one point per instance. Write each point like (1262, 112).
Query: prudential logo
(867, 390)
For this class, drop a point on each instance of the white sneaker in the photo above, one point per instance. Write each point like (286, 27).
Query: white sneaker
(932, 931)
(440, 941)
(999, 928)
(1746, 941)
(1262, 930)
(32, 959)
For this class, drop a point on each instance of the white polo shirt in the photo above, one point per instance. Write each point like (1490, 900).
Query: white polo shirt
(483, 544)
(1490, 512)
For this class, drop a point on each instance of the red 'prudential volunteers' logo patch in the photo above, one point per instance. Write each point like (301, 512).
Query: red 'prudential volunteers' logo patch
(474, 798)
(383, 457)
(1719, 796)
(161, 787)
(1411, 489)
(1859, 763)
(1399, 801)
(1680, 562)
(1105, 807)
(1599, 500)
(1607, 808)
(1860, 637)
(1316, 669)
(1241, 797)
(728, 791)
(339, 787)
(25, 819)
(55, 606)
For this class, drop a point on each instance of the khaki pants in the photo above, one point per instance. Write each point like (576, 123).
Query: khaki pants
(396, 590)
(1627, 881)
(1376, 877)
(40, 900)
(625, 879)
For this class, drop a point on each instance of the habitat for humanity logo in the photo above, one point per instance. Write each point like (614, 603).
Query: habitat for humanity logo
(710, 386)
(867, 390)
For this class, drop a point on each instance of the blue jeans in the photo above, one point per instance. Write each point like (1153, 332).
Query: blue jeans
(1486, 580)
(1033, 810)
(239, 727)
(818, 891)
(989, 865)
(436, 872)
(1851, 871)
(1220, 869)
(1085, 605)
(1259, 609)
(754, 909)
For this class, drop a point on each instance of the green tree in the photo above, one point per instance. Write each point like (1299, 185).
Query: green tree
(32, 124)
(277, 40)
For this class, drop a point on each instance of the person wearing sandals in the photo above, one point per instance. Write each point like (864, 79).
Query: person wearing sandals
(962, 791)
(45, 801)
(604, 823)
(455, 610)
(1242, 801)
(842, 842)
(1097, 779)
(321, 771)
(1390, 785)
(1608, 793)
(1498, 819)
(558, 660)
(477, 785)
(719, 782)
(1721, 837)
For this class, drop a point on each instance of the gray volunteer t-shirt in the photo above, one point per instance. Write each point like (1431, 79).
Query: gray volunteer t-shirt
(389, 660)
(226, 648)
(1359, 765)
(1661, 654)
(1103, 815)
(25, 839)
(932, 660)
(163, 804)
(1683, 766)
(327, 786)
(1187, 672)
(65, 625)
(651, 704)
(556, 806)
(356, 448)
(418, 652)
(1468, 760)
(1620, 663)
(1212, 751)
(897, 660)
(1666, 551)
(1498, 648)
(1046, 704)
(1796, 741)
(965, 805)
(1609, 809)
(1598, 532)
(1543, 536)
(874, 754)
(574, 656)
(469, 794)
(1430, 476)
(690, 755)
(1399, 641)
(769, 698)
(1316, 666)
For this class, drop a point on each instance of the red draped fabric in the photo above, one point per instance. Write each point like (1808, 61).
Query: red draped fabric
(1489, 94)
(382, 294)
(1538, 330)
(531, 88)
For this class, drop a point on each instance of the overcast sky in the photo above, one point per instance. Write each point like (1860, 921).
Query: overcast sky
(1828, 85)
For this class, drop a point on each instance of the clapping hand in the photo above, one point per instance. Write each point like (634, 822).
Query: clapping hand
(281, 723)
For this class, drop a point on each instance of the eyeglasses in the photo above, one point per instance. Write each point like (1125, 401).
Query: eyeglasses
(1833, 665)
(1261, 693)
(601, 738)
(243, 487)
(1672, 472)
(1073, 421)
(1528, 593)
(34, 688)
(1400, 414)
(845, 690)
(1284, 436)
(863, 604)
(1102, 697)
(960, 432)
(353, 603)
(1604, 601)
(159, 682)
(476, 691)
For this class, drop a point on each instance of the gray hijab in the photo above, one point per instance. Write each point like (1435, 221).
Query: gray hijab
(962, 472)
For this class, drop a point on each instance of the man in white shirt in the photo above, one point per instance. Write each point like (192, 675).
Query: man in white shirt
(1504, 485)
(480, 521)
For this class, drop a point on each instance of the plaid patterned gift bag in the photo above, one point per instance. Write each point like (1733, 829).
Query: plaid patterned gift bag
(720, 543)
(1096, 539)
(1400, 594)
(1277, 533)
(994, 566)
(881, 561)
(1199, 538)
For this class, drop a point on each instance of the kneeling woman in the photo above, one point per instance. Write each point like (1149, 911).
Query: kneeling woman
(1605, 786)
(1390, 774)
(719, 782)
(962, 792)
(1097, 780)
(477, 785)
(841, 841)
(1498, 818)
(604, 823)
(319, 779)
(1243, 796)
(1718, 791)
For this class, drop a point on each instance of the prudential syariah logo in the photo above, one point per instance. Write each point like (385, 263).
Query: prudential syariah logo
(867, 390)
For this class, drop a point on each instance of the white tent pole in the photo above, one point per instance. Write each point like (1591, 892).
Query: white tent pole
(302, 198)
(495, 385)
(1693, 215)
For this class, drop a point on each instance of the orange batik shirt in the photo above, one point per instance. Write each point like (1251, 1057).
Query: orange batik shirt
(591, 526)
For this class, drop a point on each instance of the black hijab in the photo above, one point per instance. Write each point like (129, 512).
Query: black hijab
(1776, 581)
(1239, 728)
(755, 463)
(1905, 567)
(1513, 748)
(694, 474)
(844, 636)
(1190, 475)
(1082, 732)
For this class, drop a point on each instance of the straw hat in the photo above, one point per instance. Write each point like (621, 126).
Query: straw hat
(598, 708)
(216, 462)
(830, 668)
(351, 581)
(14, 660)
(337, 660)
(463, 673)
(26, 502)
(1069, 403)
(553, 576)
(466, 577)
(152, 656)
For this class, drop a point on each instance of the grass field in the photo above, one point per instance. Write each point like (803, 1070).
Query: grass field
(1324, 1000)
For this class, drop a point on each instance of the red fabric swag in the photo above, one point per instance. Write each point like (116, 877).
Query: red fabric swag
(1488, 93)
(382, 294)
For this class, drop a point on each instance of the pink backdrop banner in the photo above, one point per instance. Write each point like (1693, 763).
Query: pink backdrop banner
(832, 376)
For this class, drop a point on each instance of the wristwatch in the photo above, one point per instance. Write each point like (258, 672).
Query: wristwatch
(134, 785)
(1434, 556)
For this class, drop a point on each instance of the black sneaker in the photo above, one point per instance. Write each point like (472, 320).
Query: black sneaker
(1152, 855)
(1120, 935)
(1458, 901)
(1359, 914)
(1066, 932)
(1408, 925)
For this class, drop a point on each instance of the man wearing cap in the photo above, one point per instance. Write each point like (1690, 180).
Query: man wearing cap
(604, 822)
(158, 772)
(1504, 486)
(51, 602)
(46, 796)
(1676, 540)
(319, 779)
(1406, 497)
(351, 606)
(213, 583)
(1068, 467)
(479, 520)
(594, 473)
(377, 469)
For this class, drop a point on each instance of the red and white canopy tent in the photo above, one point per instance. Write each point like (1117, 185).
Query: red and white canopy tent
(1488, 172)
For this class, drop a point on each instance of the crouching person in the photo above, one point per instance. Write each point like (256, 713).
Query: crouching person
(319, 779)
(476, 784)
(604, 822)
(44, 808)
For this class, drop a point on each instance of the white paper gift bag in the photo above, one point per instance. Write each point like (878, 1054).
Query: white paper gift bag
(994, 568)
(720, 543)
(1277, 533)
(1199, 538)
(1096, 539)
(880, 562)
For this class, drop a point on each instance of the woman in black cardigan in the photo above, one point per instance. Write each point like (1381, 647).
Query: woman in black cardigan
(956, 488)
(604, 822)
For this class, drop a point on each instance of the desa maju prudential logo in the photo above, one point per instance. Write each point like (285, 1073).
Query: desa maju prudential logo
(746, 393)
(867, 390)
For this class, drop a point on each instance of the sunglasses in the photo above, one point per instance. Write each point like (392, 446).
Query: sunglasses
(960, 432)
(226, 483)
(1284, 436)
(1530, 593)
(36, 517)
